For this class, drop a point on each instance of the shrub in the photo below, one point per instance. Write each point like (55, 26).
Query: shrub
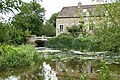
(12, 56)
(74, 30)
(77, 43)
(62, 41)
(52, 43)
(65, 41)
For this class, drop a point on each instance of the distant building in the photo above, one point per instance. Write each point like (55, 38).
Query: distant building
(72, 15)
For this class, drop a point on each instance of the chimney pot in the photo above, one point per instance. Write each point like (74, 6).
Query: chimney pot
(79, 5)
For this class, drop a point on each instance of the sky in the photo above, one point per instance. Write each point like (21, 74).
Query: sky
(53, 6)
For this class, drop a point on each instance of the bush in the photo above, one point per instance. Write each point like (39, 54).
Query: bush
(52, 43)
(63, 41)
(11, 56)
(77, 43)
(81, 44)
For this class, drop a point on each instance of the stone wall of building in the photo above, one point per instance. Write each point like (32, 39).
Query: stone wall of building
(66, 22)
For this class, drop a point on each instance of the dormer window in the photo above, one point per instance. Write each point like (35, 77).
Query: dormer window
(85, 10)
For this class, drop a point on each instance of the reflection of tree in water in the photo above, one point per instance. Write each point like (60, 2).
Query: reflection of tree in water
(34, 74)
(115, 69)
(76, 64)
(60, 66)
(49, 74)
(23, 73)
(72, 63)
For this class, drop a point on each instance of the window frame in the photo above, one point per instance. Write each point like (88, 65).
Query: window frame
(61, 27)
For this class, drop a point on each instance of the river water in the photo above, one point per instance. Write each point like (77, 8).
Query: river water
(59, 66)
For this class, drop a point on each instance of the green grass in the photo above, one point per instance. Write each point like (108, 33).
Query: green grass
(12, 56)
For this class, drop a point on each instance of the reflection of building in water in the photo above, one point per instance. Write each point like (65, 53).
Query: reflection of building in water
(11, 78)
(73, 71)
(88, 67)
(60, 66)
(48, 73)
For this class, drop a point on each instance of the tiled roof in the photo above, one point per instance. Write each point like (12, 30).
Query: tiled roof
(73, 11)
(68, 12)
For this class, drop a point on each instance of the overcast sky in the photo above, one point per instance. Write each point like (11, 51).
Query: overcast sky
(53, 6)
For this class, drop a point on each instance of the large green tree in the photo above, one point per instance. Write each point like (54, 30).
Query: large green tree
(108, 33)
(52, 19)
(7, 6)
(48, 29)
(30, 18)
(6, 29)
(4, 32)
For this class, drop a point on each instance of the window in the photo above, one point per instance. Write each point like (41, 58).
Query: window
(84, 10)
(61, 27)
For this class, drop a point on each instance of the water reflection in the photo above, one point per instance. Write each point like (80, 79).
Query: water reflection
(48, 73)
(11, 78)
(61, 68)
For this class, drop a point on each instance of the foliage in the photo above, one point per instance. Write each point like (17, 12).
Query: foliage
(86, 43)
(84, 76)
(74, 30)
(4, 33)
(81, 44)
(104, 73)
(109, 34)
(10, 35)
(19, 37)
(52, 19)
(8, 5)
(67, 42)
(52, 43)
(62, 42)
(11, 56)
(48, 29)
(30, 18)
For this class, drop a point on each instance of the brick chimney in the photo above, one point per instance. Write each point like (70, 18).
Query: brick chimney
(79, 5)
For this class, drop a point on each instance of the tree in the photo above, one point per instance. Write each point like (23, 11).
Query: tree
(52, 19)
(4, 32)
(30, 18)
(6, 29)
(48, 29)
(109, 34)
(74, 30)
(7, 6)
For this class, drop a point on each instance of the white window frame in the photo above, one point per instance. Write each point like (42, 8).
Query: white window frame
(61, 29)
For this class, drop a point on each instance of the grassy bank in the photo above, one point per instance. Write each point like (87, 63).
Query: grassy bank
(12, 56)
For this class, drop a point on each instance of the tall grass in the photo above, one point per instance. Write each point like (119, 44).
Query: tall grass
(12, 56)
